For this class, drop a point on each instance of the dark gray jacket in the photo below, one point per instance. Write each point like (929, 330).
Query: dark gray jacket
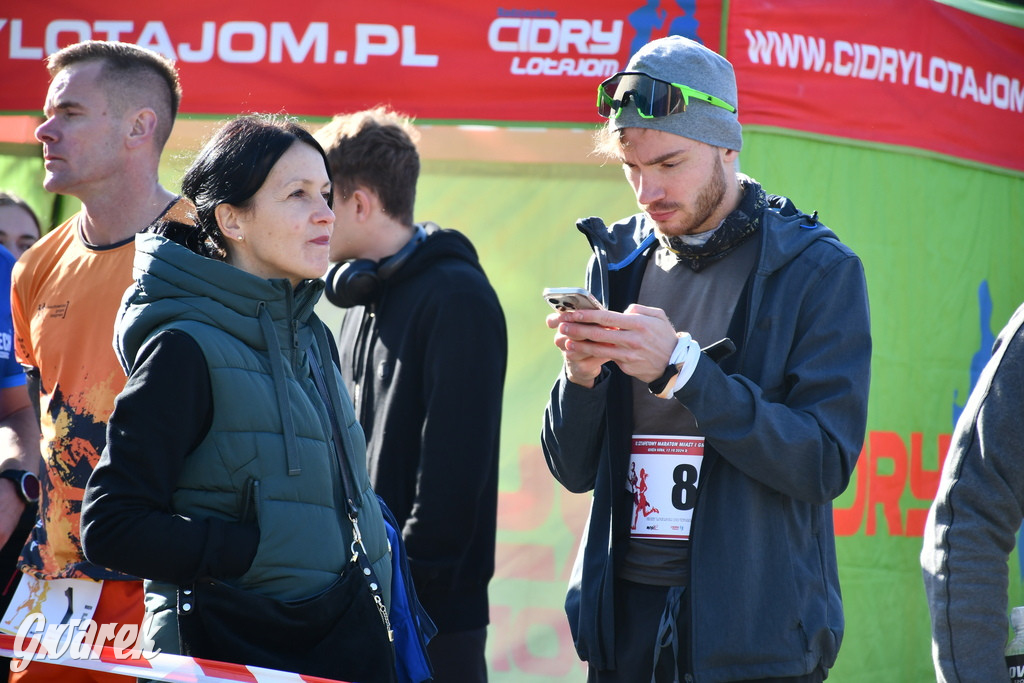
(784, 420)
(973, 523)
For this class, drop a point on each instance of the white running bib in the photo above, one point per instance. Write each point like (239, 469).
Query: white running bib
(664, 472)
(59, 601)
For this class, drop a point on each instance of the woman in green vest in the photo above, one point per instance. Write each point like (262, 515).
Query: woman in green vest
(234, 478)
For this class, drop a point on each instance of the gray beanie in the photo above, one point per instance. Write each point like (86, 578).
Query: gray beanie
(680, 60)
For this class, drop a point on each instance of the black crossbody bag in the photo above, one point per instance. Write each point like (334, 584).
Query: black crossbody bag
(342, 632)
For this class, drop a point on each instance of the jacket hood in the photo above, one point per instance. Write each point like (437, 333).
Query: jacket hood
(440, 245)
(784, 233)
(174, 284)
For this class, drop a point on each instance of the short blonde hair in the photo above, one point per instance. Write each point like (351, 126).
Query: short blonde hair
(608, 142)
(375, 148)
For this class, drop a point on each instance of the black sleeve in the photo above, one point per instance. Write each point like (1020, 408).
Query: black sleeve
(128, 523)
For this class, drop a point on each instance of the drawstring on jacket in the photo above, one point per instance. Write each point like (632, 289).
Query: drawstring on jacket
(668, 632)
(280, 388)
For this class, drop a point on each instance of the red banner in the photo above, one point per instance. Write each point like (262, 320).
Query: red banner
(903, 72)
(437, 59)
(916, 73)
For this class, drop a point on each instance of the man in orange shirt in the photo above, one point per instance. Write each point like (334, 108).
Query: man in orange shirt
(109, 111)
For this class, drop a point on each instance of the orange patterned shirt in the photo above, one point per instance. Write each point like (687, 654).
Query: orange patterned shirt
(64, 299)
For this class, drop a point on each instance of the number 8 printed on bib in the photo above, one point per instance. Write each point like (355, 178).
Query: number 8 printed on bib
(664, 472)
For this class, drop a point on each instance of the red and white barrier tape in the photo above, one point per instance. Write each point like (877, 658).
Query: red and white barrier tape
(164, 667)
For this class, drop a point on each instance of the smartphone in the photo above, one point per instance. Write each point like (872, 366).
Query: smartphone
(564, 299)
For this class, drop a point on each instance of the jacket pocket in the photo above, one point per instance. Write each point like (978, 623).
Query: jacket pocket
(251, 502)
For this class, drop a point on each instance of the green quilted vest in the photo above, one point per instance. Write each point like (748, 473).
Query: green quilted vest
(268, 455)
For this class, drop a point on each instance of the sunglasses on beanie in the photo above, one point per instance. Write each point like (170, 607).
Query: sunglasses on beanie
(652, 97)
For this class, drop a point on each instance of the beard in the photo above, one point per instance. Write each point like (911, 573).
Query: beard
(707, 202)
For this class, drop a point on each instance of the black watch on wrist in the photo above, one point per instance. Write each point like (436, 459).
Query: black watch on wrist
(25, 483)
(658, 385)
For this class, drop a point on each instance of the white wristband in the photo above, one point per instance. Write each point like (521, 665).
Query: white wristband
(684, 356)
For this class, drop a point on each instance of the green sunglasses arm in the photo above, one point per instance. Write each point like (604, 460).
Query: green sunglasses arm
(601, 95)
(703, 96)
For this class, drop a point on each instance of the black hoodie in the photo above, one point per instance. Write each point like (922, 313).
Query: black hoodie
(425, 365)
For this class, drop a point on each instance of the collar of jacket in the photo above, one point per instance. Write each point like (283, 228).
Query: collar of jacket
(172, 283)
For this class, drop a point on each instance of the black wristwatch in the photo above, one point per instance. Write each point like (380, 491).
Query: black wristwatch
(659, 385)
(25, 483)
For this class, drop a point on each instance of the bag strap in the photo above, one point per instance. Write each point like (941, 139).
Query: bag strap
(340, 435)
(351, 493)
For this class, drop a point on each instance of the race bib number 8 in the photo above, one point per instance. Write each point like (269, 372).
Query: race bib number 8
(664, 473)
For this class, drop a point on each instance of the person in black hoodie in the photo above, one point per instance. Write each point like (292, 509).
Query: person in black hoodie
(431, 413)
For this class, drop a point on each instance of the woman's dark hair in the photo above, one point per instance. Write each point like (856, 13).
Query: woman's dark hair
(11, 199)
(230, 169)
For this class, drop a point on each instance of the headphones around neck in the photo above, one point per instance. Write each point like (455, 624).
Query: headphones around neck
(359, 282)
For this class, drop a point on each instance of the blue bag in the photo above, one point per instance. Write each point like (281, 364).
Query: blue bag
(411, 624)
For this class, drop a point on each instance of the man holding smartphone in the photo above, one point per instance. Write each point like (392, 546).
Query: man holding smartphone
(432, 416)
(728, 572)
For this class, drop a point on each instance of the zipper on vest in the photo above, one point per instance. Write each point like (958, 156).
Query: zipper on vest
(251, 501)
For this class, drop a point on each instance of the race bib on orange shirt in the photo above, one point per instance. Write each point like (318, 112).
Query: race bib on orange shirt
(58, 601)
(664, 473)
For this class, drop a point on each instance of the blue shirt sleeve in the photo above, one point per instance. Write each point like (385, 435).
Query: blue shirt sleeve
(11, 372)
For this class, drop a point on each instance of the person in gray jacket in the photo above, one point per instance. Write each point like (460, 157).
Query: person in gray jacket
(720, 565)
(973, 522)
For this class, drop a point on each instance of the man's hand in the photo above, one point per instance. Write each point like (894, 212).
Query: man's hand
(19, 446)
(640, 341)
(581, 365)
